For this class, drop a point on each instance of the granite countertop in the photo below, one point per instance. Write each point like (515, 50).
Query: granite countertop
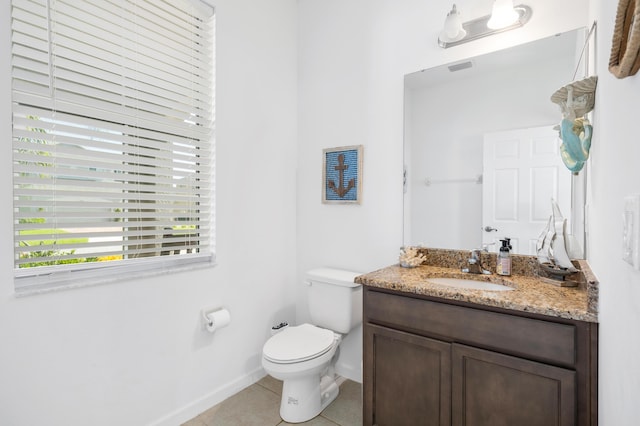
(531, 293)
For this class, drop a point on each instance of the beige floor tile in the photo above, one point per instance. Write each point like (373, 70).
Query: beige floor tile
(272, 384)
(316, 421)
(194, 422)
(253, 406)
(346, 410)
(259, 405)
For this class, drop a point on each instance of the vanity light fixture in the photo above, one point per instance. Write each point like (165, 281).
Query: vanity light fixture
(504, 17)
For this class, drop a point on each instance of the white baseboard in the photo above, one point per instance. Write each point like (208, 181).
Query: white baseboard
(349, 372)
(214, 397)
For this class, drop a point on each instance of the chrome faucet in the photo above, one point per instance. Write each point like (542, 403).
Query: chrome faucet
(475, 263)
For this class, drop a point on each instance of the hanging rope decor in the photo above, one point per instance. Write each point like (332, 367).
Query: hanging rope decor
(625, 49)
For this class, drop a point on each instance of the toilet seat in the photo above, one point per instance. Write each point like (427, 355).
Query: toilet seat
(297, 344)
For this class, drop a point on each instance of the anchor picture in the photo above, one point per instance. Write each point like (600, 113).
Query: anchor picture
(342, 174)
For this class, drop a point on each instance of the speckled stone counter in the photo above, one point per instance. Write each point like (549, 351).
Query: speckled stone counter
(530, 294)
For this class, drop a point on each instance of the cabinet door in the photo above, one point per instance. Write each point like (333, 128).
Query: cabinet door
(491, 389)
(407, 377)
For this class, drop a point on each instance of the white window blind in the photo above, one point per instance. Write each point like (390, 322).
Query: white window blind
(112, 137)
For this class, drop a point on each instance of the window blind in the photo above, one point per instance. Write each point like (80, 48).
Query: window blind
(112, 136)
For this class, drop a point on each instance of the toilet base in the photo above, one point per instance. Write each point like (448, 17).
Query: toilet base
(305, 398)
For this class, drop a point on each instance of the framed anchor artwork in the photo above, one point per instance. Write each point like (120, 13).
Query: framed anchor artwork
(342, 175)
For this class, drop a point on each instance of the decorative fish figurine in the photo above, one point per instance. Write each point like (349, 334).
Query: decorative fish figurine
(576, 143)
(576, 99)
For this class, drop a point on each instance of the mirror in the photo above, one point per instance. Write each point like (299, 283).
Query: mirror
(474, 133)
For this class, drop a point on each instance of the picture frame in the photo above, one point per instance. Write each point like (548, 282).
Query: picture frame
(342, 175)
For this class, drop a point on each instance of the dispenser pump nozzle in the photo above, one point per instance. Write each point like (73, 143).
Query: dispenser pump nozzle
(506, 244)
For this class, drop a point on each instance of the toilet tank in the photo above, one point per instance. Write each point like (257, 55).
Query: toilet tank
(335, 301)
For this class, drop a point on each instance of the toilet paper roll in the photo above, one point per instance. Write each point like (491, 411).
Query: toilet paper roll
(217, 319)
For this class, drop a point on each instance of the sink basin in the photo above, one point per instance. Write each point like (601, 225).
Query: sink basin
(469, 284)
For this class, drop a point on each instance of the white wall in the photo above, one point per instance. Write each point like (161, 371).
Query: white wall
(133, 353)
(615, 174)
(352, 59)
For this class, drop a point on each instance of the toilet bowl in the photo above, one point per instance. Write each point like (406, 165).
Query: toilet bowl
(304, 356)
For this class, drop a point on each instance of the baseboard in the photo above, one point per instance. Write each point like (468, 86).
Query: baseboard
(349, 372)
(202, 404)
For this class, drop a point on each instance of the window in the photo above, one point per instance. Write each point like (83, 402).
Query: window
(112, 138)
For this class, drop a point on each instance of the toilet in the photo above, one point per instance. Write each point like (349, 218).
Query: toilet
(304, 356)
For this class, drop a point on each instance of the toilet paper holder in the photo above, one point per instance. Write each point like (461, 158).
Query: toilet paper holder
(215, 318)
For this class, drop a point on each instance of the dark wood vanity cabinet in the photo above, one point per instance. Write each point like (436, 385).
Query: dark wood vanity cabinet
(411, 379)
(433, 362)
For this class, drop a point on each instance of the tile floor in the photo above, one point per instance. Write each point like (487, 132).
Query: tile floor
(259, 405)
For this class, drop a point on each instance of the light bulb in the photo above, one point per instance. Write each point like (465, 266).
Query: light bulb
(502, 15)
(453, 25)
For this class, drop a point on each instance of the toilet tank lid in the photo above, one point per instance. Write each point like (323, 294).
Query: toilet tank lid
(333, 276)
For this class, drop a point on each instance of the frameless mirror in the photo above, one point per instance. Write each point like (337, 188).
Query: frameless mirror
(481, 152)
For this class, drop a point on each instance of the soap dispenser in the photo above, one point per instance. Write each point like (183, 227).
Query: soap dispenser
(504, 258)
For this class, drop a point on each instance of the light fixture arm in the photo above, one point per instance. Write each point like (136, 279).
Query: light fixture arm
(477, 28)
